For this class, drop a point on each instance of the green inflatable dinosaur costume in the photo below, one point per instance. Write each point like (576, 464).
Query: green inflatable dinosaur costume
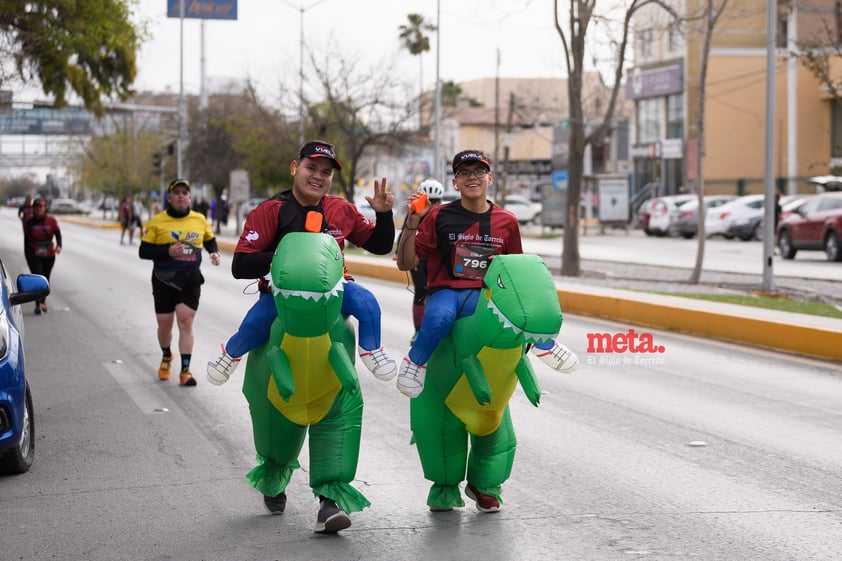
(473, 374)
(303, 379)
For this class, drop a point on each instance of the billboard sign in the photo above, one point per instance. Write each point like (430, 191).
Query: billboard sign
(203, 9)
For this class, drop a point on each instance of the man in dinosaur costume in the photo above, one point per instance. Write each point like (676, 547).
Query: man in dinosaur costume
(303, 379)
(473, 374)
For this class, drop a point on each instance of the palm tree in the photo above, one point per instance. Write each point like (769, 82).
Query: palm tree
(414, 40)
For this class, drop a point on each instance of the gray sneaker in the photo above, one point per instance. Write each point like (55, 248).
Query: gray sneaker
(276, 504)
(331, 518)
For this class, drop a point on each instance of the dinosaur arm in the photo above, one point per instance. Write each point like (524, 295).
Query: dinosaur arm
(528, 381)
(281, 372)
(340, 360)
(475, 375)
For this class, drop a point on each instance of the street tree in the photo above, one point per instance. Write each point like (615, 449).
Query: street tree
(87, 48)
(581, 14)
(118, 163)
(362, 112)
(238, 131)
(265, 142)
(708, 18)
(414, 38)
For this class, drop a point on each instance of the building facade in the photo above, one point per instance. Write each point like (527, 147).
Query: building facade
(664, 85)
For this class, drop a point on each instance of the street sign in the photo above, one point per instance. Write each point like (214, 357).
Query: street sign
(559, 177)
(203, 9)
(240, 187)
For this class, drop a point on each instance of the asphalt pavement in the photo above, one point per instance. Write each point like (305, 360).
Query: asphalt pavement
(642, 294)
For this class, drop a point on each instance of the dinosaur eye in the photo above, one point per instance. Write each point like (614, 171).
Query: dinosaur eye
(500, 282)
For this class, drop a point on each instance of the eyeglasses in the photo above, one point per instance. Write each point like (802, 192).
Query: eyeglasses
(466, 173)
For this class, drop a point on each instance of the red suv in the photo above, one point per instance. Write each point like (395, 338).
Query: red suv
(816, 225)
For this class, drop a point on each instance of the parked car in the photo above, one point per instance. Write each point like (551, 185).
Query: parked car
(644, 213)
(815, 226)
(17, 441)
(719, 221)
(750, 225)
(687, 224)
(664, 213)
(654, 214)
(247, 206)
(366, 210)
(66, 206)
(525, 211)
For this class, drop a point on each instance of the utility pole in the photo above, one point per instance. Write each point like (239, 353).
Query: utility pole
(437, 171)
(507, 144)
(497, 114)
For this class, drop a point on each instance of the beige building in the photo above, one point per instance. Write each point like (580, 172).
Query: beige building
(665, 88)
(515, 121)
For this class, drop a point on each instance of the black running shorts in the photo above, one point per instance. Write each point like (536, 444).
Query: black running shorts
(167, 295)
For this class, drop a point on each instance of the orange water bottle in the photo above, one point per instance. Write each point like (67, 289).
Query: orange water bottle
(419, 203)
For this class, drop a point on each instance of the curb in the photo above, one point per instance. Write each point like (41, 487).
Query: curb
(739, 324)
(727, 322)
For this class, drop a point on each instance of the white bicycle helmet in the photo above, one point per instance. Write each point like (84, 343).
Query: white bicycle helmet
(433, 188)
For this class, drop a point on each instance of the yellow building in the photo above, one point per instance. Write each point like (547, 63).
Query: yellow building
(665, 88)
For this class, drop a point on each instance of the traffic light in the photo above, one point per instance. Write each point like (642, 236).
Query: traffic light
(157, 160)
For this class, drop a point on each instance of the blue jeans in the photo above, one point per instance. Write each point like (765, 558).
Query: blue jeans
(443, 308)
(357, 301)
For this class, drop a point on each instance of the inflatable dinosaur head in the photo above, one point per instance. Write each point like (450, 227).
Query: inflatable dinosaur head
(519, 303)
(307, 282)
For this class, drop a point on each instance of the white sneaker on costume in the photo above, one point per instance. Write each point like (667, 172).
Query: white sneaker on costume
(411, 377)
(558, 358)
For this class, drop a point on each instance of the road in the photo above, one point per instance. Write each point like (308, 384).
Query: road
(710, 450)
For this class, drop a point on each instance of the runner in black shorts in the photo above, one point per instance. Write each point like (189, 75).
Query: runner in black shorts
(173, 241)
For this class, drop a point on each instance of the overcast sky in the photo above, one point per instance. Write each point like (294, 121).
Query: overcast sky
(263, 44)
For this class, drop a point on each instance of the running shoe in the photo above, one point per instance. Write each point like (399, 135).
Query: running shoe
(186, 379)
(331, 518)
(276, 504)
(164, 369)
(485, 503)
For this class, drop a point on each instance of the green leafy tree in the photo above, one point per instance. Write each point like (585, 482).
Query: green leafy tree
(82, 46)
(119, 164)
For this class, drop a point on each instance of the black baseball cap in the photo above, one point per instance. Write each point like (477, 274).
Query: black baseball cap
(318, 149)
(176, 182)
(469, 156)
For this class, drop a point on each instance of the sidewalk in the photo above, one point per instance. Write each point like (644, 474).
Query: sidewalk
(802, 334)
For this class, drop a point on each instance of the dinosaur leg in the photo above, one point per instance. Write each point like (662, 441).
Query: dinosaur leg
(491, 458)
(335, 450)
(278, 443)
(276, 439)
(442, 443)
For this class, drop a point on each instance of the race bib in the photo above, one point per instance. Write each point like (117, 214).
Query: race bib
(471, 261)
(43, 249)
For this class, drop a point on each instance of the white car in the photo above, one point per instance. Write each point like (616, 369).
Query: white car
(664, 213)
(525, 211)
(719, 221)
(66, 206)
(366, 210)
